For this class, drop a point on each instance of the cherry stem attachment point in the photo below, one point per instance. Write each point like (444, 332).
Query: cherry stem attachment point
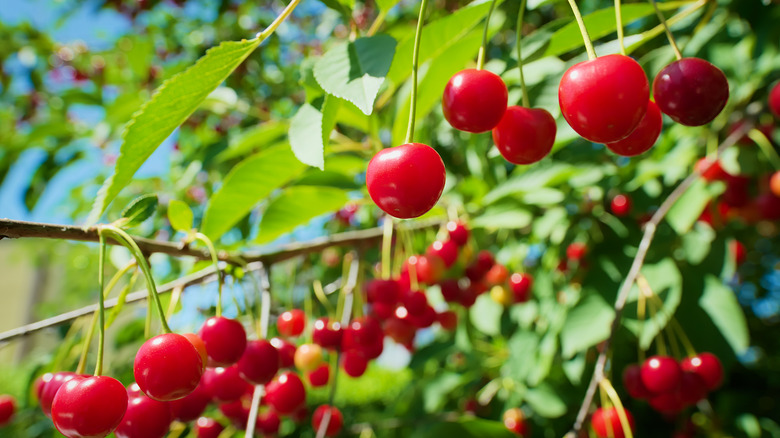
(520, 15)
(415, 65)
(669, 35)
(483, 47)
(583, 30)
(619, 24)
(215, 260)
(101, 307)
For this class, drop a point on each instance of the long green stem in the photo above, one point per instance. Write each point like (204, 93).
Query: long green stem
(520, 15)
(215, 260)
(669, 35)
(619, 24)
(766, 146)
(272, 27)
(101, 307)
(583, 30)
(387, 245)
(483, 48)
(415, 65)
(613, 396)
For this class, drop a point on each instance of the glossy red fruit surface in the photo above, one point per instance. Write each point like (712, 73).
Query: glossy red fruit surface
(326, 334)
(691, 91)
(459, 232)
(399, 330)
(515, 422)
(7, 409)
(707, 366)
(208, 428)
(406, 181)
(606, 423)
(643, 137)
(51, 384)
(450, 290)
(691, 389)
(604, 99)
(383, 291)
(308, 357)
(268, 423)
(446, 250)
(167, 367)
(661, 374)
(89, 406)
(576, 251)
(144, 418)
(474, 100)
(190, 407)
(199, 345)
(291, 323)
(225, 340)
(320, 376)
(354, 363)
(259, 363)
(448, 320)
(632, 380)
(286, 352)
(285, 393)
(525, 135)
(520, 284)
(774, 100)
(621, 205)
(224, 384)
(335, 422)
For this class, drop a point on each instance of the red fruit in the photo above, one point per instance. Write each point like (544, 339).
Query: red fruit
(399, 330)
(406, 181)
(692, 388)
(225, 340)
(710, 169)
(606, 423)
(514, 420)
(661, 374)
(474, 100)
(199, 345)
(737, 191)
(525, 135)
(477, 270)
(167, 367)
(190, 407)
(320, 376)
(236, 411)
(308, 357)
(576, 251)
(707, 366)
(521, 286)
(208, 428)
(632, 380)
(768, 206)
(667, 402)
(774, 181)
(469, 295)
(259, 363)
(448, 320)
(144, 418)
(383, 291)
(286, 352)
(424, 319)
(644, 135)
(285, 393)
(604, 99)
(268, 423)
(446, 250)
(415, 302)
(363, 331)
(327, 335)
(691, 91)
(774, 100)
(621, 205)
(354, 363)
(51, 384)
(459, 232)
(450, 290)
(335, 420)
(89, 406)
(428, 269)
(496, 275)
(224, 384)
(7, 409)
(291, 323)
(383, 311)
(738, 251)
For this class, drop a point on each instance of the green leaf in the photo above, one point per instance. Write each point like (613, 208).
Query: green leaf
(355, 70)
(306, 136)
(486, 315)
(179, 215)
(141, 209)
(545, 401)
(249, 182)
(522, 355)
(666, 281)
(330, 110)
(254, 138)
(586, 325)
(298, 205)
(507, 215)
(574, 368)
(438, 390)
(691, 204)
(172, 103)
(466, 428)
(386, 5)
(722, 306)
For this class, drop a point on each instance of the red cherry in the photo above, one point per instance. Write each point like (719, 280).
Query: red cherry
(576, 251)
(632, 380)
(400, 331)
(521, 286)
(335, 422)
(268, 423)
(225, 340)
(134, 391)
(414, 302)
(768, 206)
(190, 407)
(774, 100)
(286, 352)
(661, 374)
(224, 384)
(737, 192)
(474, 100)
(738, 251)
(51, 384)
(428, 269)
(450, 290)
(320, 376)
(606, 423)
(691, 91)
(364, 331)
(525, 135)
(621, 205)
(774, 182)
(667, 402)
(144, 418)
(644, 135)
(497, 274)
(291, 323)
(459, 232)
(383, 291)
(604, 99)
(199, 345)
(167, 367)
(354, 363)
(446, 250)
(710, 169)
(259, 363)
(424, 319)
(477, 270)
(469, 295)
(7, 409)
(327, 335)
(707, 366)
(208, 428)
(692, 388)
(448, 320)
(406, 181)
(236, 411)
(514, 421)
(285, 393)
(89, 406)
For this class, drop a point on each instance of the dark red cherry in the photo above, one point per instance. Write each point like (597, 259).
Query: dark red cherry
(474, 100)
(383, 291)
(768, 206)
(144, 418)
(51, 384)
(604, 99)
(459, 232)
(707, 366)
(448, 320)
(621, 205)
(691, 389)
(643, 137)
(335, 422)
(285, 393)
(364, 331)
(661, 374)
(406, 181)
(429, 269)
(691, 91)
(208, 428)
(7, 409)
(632, 380)
(774, 100)
(268, 423)
(236, 411)
(711, 170)
(450, 290)
(415, 302)
(190, 407)
(326, 334)
(354, 363)
(525, 135)
(424, 319)
(515, 422)
(225, 340)
(606, 423)
(286, 352)
(320, 376)
(259, 363)
(291, 323)
(446, 250)
(224, 384)
(521, 286)
(167, 367)
(576, 251)
(666, 402)
(399, 330)
(88, 407)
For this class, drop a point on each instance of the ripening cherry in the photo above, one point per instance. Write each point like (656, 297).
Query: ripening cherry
(326, 334)
(774, 101)
(446, 250)
(660, 374)
(399, 330)
(335, 422)
(774, 181)
(448, 320)
(167, 367)
(606, 423)
(208, 428)
(224, 384)
(515, 422)
(621, 205)
(604, 99)
(225, 340)
(259, 363)
(691, 91)
(520, 284)
(459, 232)
(707, 366)
(450, 290)
(320, 376)
(291, 323)
(7, 409)
(406, 181)
(308, 357)
(474, 100)
(525, 135)
(51, 384)
(268, 423)
(497, 274)
(576, 251)
(89, 406)
(285, 393)
(632, 381)
(286, 351)
(144, 418)
(643, 137)
(190, 407)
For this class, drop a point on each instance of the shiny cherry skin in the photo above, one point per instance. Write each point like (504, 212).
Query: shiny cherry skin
(707, 366)
(643, 137)
(661, 374)
(308, 357)
(144, 418)
(525, 135)
(406, 181)
(632, 381)
(606, 423)
(520, 284)
(208, 428)
(354, 363)
(199, 345)
(459, 232)
(259, 363)
(7, 409)
(774, 100)
(450, 290)
(446, 250)
(192, 406)
(429, 269)
(168, 367)
(51, 384)
(474, 100)
(515, 422)
(89, 406)
(399, 330)
(604, 99)
(268, 423)
(225, 340)
(621, 205)
(286, 393)
(691, 91)
(286, 351)
(335, 422)
(326, 334)
(362, 331)
(224, 384)
(383, 291)
(291, 323)
(320, 376)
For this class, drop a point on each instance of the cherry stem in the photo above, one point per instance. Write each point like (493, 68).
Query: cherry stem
(583, 30)
(660, 343)
(272, 27)
(619, 24)
(613, 396)
(675, 326)
(766, 146)
(520, 15)
(640, 313)
(483, 47)
(265, 312)
(669, 35)
(257, 395)
(308, 310)
(387, 244)
(319, 292)
(215, 260)
(415, 64)
(101, 307)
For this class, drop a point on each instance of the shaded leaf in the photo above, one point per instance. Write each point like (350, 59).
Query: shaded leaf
(141, 209)
(298, 205)
(691, 204)
(545, 402)
(587, 324)
(179, 215)
(720, 303)
(466, 428)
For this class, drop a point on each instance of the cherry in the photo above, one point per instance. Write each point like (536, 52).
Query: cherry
(692, 388)
(501, 295)
(477, 270)
(286, 352)
(363, 331)
(225, 340)
(144, 418)
(514, 421)
(89, 406)
(7, 409)
(643, 137)
(199, 345)
(168, 367)
(738, 251)
(497, 274)
(51, 384)
(425, 318)
(450, 290)
(259, 363)
(525, 135)
(448, 320)
(707, 366)
(428, 269)
(190, 407)
(354, 363)
(469, 295)
(208, 428)
(711, 170)
(621, 205)
(474, 100)
(334, 424)
(606, 423)
(446, 250)
(576, 251)
(667, 402)
(521, 286)
(632, 380)
(660, 374)
(774, 100)
(691, 91)
(236, 411)
(774, 182)
(406, 181)
(134, 391)
(459, 232)
(400, 331)
(224, 384)
(285, 393)
(737, 192)
(383, 311)
(768, 206)
(383, 291)
(291, 323)
(268, 423)
(320, 376)
(604, 99)
(308, 357)
(326, 334)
